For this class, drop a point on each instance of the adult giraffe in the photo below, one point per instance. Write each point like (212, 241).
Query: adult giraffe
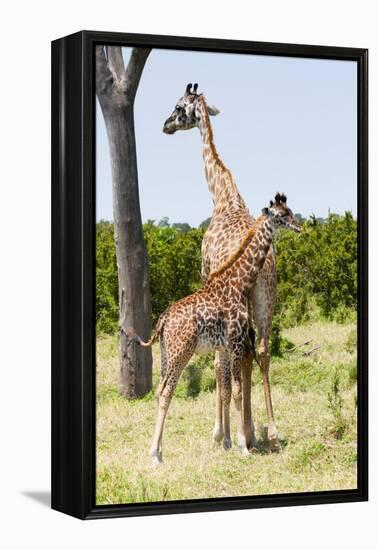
(230, 223)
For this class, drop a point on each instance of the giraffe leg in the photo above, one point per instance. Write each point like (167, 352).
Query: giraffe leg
(249, 429)
(264, 356)
(218, 431)
(156, 447)
(165, 393)
(237, 398)
(263, 297)
(173, 370)
(162, 407)
(226, 395)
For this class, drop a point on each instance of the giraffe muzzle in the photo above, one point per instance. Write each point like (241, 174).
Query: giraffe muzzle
(169, 127)
(296, 227)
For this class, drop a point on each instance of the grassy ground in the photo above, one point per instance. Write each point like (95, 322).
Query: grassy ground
(315, 410)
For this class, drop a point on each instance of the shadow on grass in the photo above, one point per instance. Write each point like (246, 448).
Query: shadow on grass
(263, 445)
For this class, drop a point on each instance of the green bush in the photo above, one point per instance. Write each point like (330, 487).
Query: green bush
(278, 343)
(335, 404)
(320, 262)
(199, 375)
(106, 279)
(317, 271)
(174, 259)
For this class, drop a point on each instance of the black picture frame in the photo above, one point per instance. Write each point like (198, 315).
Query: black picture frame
(73, 273)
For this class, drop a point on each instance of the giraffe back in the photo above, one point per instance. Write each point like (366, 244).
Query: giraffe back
(222, 239)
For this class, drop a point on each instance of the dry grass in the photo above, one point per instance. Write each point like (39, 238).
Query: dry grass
(313, 456)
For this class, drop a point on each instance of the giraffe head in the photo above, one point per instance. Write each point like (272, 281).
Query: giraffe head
(186, 114)
(280, 214)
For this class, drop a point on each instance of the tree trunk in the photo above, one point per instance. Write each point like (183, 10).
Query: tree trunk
(116, 90)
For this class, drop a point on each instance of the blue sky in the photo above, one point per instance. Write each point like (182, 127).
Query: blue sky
(287, 124)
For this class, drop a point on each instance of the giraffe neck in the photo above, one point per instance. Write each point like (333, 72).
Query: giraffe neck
(219, 178)
(243, 268)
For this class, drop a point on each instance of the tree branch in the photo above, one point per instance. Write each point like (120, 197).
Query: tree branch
(104, 77)
(306, 353)
(134, 69)
(116, 64)
(298, 346)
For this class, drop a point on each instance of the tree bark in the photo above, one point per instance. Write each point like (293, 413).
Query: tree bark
(116, 88)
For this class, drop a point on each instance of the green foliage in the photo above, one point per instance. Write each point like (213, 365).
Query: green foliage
(106, 279)
(205, 365)
(343, 314)
(317, 271)
(164, 222)
(199, 375)
(278, 343)
(205, 223)
(321, 262)
(174, 259)
(182, 227)
(335, 404)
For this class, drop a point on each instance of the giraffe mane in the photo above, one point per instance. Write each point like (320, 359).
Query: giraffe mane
(210, 135)
(215, 154)
(250, 234)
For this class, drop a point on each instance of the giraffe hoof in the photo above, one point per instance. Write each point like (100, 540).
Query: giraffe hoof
(244, 451)
(274, 445)
(217, 435)
(157, 459)
(227, 443)
(252, 444)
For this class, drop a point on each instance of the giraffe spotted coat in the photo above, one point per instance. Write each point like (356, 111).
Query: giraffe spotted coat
(230, 222)
(216, 317)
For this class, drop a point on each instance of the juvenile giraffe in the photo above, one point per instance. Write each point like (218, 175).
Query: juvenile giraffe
(216, 317)
(230, 223)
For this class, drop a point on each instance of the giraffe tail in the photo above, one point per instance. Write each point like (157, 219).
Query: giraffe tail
(252, 344)
(134, 337)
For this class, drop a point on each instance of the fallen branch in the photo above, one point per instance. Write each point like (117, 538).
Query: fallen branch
(306, 353)
(298, 346)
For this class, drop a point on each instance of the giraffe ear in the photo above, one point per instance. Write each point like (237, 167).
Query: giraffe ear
(212, 110)
(265, 211)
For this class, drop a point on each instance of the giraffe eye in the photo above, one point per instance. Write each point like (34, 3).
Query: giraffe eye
(178, 107)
